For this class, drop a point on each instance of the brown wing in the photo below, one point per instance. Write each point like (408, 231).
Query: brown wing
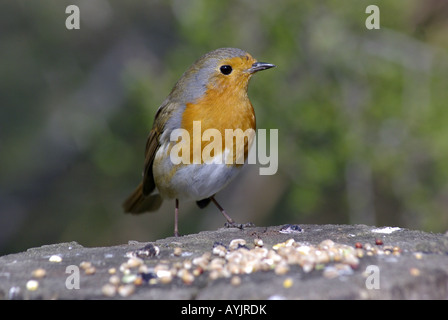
(152, 144)
(141, 199)
(165, 112)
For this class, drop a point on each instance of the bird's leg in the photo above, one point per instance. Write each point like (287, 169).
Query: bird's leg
(230, 223)
(229, 220)
(176, 219)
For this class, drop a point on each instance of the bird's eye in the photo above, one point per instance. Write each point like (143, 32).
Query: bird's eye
(226, 69)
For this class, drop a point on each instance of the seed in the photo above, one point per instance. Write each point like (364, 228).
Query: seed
(326, 244)
(138, 281)
(124, 268)
(39, 273)
(288, 283)
(55, 258)
(216, 264)
(201, 261)
(219, 250)
(134, 262)
(352, 261)
(187, 264)
(85, 265)
(109, 290)
(128, 278)
(165, 277)
(198, 271)
(289, 242)
(126, 290)
(143, 269)
(177, 251)
(160, 267)
(418, 255)
(115, 280)
(281, 268)
(235, 281)
(32, 285)
(90, 271)
(414, 271)
(258, 242)
(322, 256)
(307, 267)
(359, 253)
(247, 267)
(378, 242)
(214, 274)
(236, 244)
(186, 276)
(163, 273)
(112, 270)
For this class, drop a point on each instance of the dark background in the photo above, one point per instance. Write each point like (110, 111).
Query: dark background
(362, 114)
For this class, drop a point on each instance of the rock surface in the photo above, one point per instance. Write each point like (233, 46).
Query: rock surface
(389, 263)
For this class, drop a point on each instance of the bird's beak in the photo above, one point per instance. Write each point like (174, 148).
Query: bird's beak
(258, 66)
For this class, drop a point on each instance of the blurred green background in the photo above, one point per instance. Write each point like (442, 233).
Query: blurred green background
(362, 114)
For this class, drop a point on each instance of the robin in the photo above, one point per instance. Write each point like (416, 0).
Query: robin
(213, 94)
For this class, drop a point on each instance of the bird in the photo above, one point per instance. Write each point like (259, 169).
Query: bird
(210, 95)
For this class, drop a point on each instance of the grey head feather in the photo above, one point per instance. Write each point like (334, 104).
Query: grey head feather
(196, 78)
(194, 81)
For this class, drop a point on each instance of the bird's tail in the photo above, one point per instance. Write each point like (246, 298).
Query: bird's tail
(137, 202)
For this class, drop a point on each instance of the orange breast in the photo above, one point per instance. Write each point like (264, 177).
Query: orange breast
(225, 108)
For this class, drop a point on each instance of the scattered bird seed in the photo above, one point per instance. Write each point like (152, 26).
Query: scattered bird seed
(89, 271)
(55, 258)
(219, 250)
(112, 270)
(128, 278)
(126, 290)
(236, 244)
(138, 281)
(331, 258)
(287, 283)
(418, 255)
(109, 290)
(32, 285)
(186, 276)
(85, 265)
(115, 280)
(414, 271)
(177, 251)
(235, 281)
(39, 273)
(134, 262)
(258, 242)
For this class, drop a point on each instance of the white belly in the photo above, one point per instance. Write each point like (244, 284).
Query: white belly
(192, 181)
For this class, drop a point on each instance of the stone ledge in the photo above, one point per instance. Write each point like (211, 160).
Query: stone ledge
(409, 264)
